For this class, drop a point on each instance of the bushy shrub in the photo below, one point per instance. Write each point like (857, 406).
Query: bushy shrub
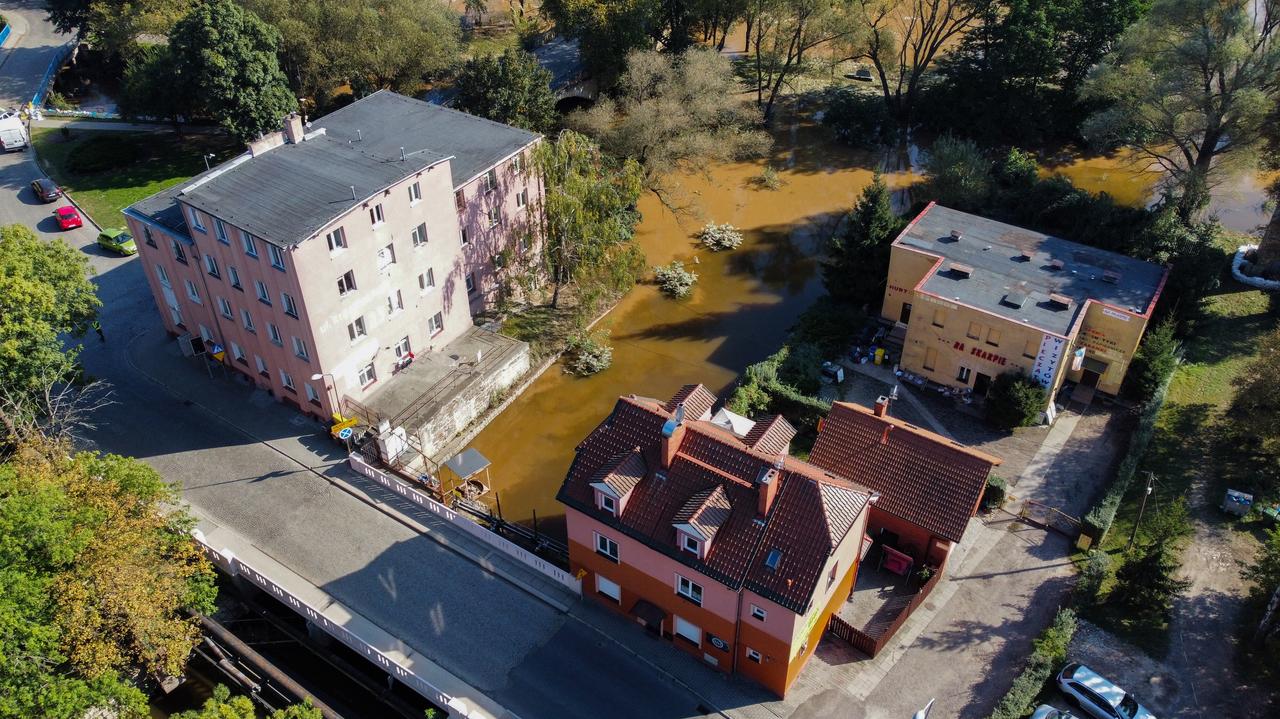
(588, 353)
(57, 101)
(1015, 400)
(958, 174)
(1155, 360)
(674, 280)
(769, 179)
(102, 153)
(993, 497)
(763, 391)
(829, 325)
(1094, 574)
(857, 118)
(802, 369)
(720, 237)
(1050, 651)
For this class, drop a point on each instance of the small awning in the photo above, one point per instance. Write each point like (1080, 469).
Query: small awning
(648, 612)
(468, 463)
(1094, 365)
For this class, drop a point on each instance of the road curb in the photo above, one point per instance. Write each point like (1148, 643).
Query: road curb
(38, 162)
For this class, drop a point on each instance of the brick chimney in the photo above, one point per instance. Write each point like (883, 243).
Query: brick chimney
(293, 131)
(672, 436)
(882, 406)
(767, 487)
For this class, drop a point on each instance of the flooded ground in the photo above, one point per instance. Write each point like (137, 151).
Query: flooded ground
(743, 304)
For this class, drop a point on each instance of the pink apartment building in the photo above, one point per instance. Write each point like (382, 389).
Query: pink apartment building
(708, 534)
(342, 247)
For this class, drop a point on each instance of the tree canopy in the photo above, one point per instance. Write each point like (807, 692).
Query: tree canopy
(607, 31)
(857, 260)
(511, 88)
(222, 705)
(95, 566)
(224, 59)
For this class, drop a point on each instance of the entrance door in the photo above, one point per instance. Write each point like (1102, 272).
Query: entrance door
(981, 384)
(1089, 378)
(905, 316)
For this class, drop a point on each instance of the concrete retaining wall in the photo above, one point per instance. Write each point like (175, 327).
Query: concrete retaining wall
(458, 413)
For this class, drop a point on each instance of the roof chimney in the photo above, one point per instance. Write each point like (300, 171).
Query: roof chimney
(672, 435)
(293, 128)
(882, 406)
(767, 490)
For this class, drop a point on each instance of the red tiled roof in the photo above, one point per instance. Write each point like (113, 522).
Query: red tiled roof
(623, 474)
(712, 479)
(922, 477)
(772, 435)
(697, 400)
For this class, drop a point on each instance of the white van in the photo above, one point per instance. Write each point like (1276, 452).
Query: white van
(13, 135)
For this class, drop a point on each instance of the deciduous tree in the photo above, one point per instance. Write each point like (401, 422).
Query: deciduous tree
(783, 33)
(222, 705)
(1192, 84)
(607, 31)
(857, 261)
(511, 88)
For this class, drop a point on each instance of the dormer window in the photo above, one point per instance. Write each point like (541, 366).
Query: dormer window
(607, 503)
(690, 544)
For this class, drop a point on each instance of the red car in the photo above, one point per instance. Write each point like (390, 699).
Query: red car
(68, 218)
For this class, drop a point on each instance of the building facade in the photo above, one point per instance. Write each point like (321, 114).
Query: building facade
(980, 298)
(714, 540)
(340, 248)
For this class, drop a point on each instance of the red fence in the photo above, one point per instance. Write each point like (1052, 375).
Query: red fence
(872, 638)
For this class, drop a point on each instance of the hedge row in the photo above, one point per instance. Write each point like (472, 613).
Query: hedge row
(1098, 521)
(1047, 657)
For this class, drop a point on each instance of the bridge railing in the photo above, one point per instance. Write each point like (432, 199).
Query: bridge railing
(466, 524)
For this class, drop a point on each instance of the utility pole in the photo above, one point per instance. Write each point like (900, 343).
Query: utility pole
(1151, 479)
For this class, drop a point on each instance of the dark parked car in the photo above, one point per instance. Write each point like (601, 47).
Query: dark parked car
(47, 190)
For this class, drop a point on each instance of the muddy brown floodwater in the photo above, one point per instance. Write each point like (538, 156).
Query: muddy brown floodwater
(742, 306)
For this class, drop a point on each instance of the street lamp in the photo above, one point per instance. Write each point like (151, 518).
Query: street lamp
(319, 377)
(207, 157)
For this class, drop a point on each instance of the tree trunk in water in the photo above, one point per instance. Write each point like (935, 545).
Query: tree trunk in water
(1269, 247)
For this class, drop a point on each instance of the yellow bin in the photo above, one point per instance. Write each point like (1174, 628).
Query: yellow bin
(879, 355)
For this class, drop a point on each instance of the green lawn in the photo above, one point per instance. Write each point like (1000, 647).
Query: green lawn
(155, 161)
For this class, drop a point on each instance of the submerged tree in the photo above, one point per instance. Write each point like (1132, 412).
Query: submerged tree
(857, 261)
(512, 88)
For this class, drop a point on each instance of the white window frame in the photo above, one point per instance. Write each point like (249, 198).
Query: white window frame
(691, 544)
(312, 395)
(367, 375)
(489, 181)
(356, 329)
(608, 588)
(346, 283)
(336, 240)
(195, 219)
(193, 294)
(225, 308)
(249, 244)
(179, 254)
(688, 627)
(206, 334)
(395, 303)
(264, 294)
(759, 613)
(233, 276)
(386, 258)
(211, 266)
(220, 231)
(603, 546)
(261, 364)
(689, 589)
(463, 235)
(608, 504)
(964, 374)
(376, 216)
(470, 282)
(162, 276)
(427, 280)
(418, 237)
(286, 380)
(402, 348)
(415, 194)
(247, 320)
(277, 257)
(273, 333)
(436, 324)
(522, 198)
(753, 655)
(300, 349)
(494, 216)
(237, 352)
(290, 307)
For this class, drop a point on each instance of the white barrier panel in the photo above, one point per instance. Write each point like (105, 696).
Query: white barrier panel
(464, 523)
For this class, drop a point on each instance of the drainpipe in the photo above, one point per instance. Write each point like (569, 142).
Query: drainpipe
(737, 634)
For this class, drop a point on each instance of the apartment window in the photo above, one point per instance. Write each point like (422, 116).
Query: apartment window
(471, 283)
(375, 215)
(608, 588)
(262, 366)
(386, 258)
(758, 613)
(993, 337)
(206, 335)
(689, 590)
(300, 349)
(273, 332)
(250, 245)
(195, 219)
(688, 630)
(975, 331)
(930, 359)
(263, 295)
(517, 163)
(146, 235)
(465, 238)
(963, 375)
(248, 320)
(831, 576)
(691, 545)
(395, 302)
(525, 242)
(460, 200)
(367, 376)
(419, 235)
(1030, 349)
(402, 348)
(233, 276)
(238, 353)
(287, 380)
(415, 194)
(211, 266)
(427, 280)
(522, 198)
(607, 503)
(489, 181)
(356, 329)
(220, 230)
(346, 283)
(277, 257)
(192, 292)
(162, 276)
(606, 547)
(494, 217)
(225, 308)
(290, 307)
(939, 317)
(337, 240)
(435, 325)
(179, 254)
(753, 655)
(312, 395)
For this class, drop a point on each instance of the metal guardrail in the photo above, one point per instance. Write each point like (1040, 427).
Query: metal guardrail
(432, 398)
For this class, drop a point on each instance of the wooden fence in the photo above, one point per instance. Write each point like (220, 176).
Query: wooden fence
(872, 638)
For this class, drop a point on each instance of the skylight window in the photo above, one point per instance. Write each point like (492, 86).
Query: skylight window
(771, 562)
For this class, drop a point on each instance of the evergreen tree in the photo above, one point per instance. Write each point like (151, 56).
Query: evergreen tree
(1145, 586)
(857, 261)
(1153, 362)
(511, 88)
(1015, 400)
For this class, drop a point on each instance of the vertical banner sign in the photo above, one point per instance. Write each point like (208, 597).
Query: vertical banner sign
(1077, 360)
(1047, 360)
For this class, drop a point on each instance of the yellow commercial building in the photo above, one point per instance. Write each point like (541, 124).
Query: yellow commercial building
(980, 298)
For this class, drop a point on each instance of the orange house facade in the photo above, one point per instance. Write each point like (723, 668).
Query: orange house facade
(716, 541)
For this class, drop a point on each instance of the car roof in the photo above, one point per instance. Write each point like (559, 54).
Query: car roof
(46, 182)
(67, 210)
(115, 232)
(1101, 686)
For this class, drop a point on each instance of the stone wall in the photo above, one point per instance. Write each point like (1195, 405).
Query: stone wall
(472, 402)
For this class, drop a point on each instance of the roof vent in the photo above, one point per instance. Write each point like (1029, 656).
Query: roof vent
(1024, 256)
(956, 235)
(1111, 276)
(1061, 300)
(771, 562)
(959, 270)
(1057, 264)
(1014, 299)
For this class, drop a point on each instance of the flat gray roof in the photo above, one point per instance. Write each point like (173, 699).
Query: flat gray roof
(288, 193)
(467, 462)
(1009, 266)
